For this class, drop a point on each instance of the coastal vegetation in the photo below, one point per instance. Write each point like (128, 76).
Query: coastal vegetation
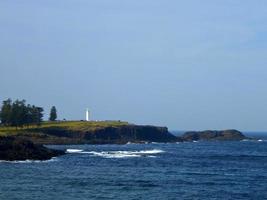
(68, 125)
(26, 117)
(18, 114)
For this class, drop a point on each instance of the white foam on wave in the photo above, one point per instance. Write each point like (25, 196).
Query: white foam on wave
(74, 150)
(152, 156)
(29, 161)
(261, 140)
(106, 154)
(153, 151)
(253, 140)
(123, 154)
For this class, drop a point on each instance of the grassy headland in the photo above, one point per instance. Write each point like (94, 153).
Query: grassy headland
(68, 125)
(108, 132)
(93, 132)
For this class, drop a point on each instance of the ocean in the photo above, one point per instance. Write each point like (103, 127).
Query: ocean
(197, 170)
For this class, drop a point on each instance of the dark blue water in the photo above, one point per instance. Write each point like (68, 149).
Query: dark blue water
(201, 170)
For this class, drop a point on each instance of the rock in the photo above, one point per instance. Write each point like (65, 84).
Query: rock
(225, 135)
(12, 148)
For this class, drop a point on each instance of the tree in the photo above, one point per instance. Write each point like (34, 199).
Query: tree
(29, 115)
(53, 114)
(5, 113)
(18, 114)
(37, 115)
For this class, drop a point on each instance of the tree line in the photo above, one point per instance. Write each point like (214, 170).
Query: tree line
(20, 114)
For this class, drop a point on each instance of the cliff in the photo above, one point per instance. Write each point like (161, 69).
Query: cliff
(225, 135)
(109, 135)
(95, 133)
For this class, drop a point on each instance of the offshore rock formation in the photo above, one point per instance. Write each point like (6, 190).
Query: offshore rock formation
(12, 148)
(225, 135)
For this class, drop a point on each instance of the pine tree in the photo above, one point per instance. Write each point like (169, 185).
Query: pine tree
(37, 115)
(19, 114)
(5, 114)
(53, 114)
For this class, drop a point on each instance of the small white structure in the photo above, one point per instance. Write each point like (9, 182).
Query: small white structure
(87, 115)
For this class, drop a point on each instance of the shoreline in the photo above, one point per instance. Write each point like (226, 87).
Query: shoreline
(35, 139)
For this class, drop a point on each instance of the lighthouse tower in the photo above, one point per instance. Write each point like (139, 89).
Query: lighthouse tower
(87, 115)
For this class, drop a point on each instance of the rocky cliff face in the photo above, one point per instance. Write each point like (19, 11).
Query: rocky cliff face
(226, 135)
(106, 135)
(12, 148)
(131, 133)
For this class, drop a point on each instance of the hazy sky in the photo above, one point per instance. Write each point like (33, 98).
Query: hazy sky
(183, 64)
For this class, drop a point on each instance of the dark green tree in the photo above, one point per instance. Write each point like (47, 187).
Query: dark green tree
(37, 115)
(53, 114)
(5, 114)
(19, 114)
(29, 117)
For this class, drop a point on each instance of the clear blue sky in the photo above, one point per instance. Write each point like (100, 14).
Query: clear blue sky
(188, 65)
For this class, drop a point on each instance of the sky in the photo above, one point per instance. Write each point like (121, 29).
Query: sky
(187, 65)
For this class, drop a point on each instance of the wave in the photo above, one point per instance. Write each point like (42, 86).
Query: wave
(253, 140)
(154, 151)
(119, 154)
(152, 156)
(74, 150)
(29, 161)
(112, 154)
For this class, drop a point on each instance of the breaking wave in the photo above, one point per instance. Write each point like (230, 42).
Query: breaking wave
(253, 140)
(74, 150)
(29, 161)
(119, 154)
(261, 140)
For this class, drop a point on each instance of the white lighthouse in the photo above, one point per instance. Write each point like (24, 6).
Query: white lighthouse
(87, 115)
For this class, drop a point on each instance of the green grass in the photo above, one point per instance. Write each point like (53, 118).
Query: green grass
(83, 125)
(69, 125)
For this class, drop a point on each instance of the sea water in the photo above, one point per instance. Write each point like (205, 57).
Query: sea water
(199, 170)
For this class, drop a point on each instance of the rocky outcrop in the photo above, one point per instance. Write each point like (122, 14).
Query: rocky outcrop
(226, 135)
(13, 148)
